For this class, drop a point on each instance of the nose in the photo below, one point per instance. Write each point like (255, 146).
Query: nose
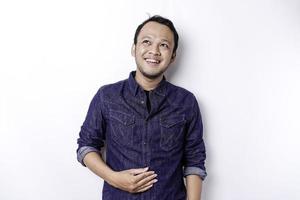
(155, 50)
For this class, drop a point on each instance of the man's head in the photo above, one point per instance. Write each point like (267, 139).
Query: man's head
(155, 45)
(160, 20)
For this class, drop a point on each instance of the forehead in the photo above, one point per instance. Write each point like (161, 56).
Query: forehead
(156, 30)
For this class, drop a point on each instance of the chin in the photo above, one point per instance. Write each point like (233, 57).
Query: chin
(151, 75)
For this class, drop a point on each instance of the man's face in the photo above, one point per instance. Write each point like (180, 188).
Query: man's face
(153, 50)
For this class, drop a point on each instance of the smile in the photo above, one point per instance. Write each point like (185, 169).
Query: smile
(152, 61)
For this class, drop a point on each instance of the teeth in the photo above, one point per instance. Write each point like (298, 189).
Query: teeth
(152, 60)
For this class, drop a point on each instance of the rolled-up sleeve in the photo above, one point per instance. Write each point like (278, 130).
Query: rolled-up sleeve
(194, 150)
(92, 133)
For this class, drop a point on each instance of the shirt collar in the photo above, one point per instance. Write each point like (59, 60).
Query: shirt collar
(134, 86)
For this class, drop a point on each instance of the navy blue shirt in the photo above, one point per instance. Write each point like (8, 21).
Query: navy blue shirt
(165, 136)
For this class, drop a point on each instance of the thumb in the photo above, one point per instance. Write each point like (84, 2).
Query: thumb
(138, 170)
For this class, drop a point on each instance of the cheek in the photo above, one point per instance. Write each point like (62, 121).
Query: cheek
(143, 50)
(168, 56)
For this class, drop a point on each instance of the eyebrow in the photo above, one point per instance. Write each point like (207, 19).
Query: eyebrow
(165, 40)
(146, 37)
(149, 37)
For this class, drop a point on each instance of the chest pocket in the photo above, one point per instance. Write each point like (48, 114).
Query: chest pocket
(122, 125)
(172, 132)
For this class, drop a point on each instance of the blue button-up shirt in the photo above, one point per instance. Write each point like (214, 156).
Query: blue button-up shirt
(167, 138)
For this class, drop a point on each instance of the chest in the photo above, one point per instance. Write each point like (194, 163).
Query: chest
(132, 127)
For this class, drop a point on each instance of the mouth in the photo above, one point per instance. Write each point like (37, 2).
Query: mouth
(152, 61)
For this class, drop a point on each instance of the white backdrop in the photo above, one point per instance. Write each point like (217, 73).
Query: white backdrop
(240, 58)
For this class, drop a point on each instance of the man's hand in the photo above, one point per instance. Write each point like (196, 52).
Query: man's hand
(133, 180)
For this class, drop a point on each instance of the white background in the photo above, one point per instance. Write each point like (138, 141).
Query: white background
(240, 58)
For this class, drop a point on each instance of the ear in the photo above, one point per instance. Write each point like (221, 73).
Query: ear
(173, 58)
(133, 50)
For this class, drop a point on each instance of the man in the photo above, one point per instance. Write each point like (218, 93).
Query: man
(152, 129)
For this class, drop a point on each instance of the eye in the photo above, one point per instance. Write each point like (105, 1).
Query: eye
(164, 45)
(147, 42)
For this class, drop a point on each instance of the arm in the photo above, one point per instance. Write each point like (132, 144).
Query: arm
(194, 154)
(133, 180)
(194, 187)
(95, 163)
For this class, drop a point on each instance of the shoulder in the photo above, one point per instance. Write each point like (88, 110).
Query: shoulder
(180, 95)
(184, 99)
(110, 89)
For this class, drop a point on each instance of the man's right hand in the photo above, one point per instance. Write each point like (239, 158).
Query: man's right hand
(133, 180)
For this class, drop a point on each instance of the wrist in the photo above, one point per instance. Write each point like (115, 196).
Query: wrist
(111, 178)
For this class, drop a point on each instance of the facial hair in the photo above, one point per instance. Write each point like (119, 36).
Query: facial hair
(150, 76)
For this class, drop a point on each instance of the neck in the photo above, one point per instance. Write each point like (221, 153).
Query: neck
(146, 83)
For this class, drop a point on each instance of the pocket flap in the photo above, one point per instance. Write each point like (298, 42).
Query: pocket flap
(124, 118)
(168, 122)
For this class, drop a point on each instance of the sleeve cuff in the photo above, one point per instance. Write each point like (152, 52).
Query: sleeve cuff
(195, 171)
(81, 153)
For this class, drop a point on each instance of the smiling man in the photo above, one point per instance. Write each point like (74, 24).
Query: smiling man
(152, 129)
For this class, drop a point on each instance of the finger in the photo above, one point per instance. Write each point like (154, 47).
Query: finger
(141, 176)
(147, 184)
(146, 180)
(144, 189)
(138, 170)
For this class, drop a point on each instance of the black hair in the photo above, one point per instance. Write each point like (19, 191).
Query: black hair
(161, 20)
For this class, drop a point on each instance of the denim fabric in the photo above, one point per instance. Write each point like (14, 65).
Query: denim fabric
(167, 139)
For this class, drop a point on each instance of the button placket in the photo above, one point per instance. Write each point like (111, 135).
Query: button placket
(145, 148)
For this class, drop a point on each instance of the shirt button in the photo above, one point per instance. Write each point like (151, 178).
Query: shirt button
(142, 102)
(144, 143)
